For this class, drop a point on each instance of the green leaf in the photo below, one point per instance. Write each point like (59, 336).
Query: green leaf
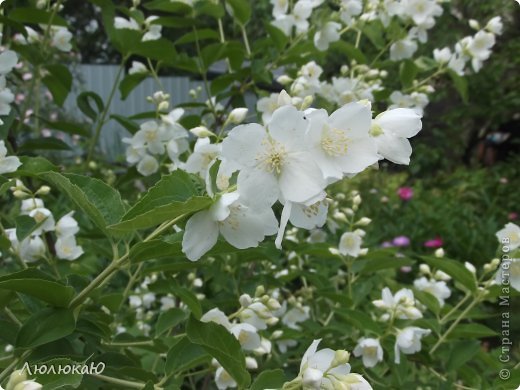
(407, 72)
(33, 166)
(128, 124)
(35, 16)
(163, 213)
(59, 82)
(25, 225)
(202, 34)
(190, 299)
(428, 300)
(174, 195)
(84, 102)
(130, 82)
(183, 356)
(44, 327)
(455, 269)
(241, 10)
(352, 52)
(170, 246)
(48, 143)
(101, 203)
(160, 50)
(38, 285)
(461, 353)
(277, 36)
(169, 320)
(222, 345)
(461, 85)
(269, 379)
(208, 7)
(471, 331)
(168, 6)
(51, 381)
(7, 125)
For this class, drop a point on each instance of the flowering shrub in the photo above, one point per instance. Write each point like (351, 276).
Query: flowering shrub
(221, 254)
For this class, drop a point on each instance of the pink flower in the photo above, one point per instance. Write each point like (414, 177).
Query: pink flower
(401, 241)
(405, 269)
(512, 216)
(435, 243)
(387, 244)
(405, 193)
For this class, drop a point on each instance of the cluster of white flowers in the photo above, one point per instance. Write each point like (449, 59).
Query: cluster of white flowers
(256, 314)
(60, 37)
(156, 138)
(326, 369)
(476, 48)
(34, 246)
(297, 17)
(8, 60)
(357, 82)
(433, 283)
(509, 269)
(151, 31)
(292, 158)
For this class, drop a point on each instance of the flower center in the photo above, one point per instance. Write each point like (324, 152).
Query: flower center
(334, 142)
(273, 156)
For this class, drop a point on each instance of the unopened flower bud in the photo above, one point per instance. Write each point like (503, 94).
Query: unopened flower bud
(470, 267)
(307, 102)
(439, 252)
(277, 334)
(272, 321)
(364, 221)
(338, 215)
(356, 201)
(260, 290)
(43, 190)
(245, 300)
(20, 194)
(284, 79)
(340, 357)
(238, 115)
(16, 377)
(163, 106)
(273, 304)
(201, 132)
(425, 269)
(363, 251)
(474, 24)
(92, 165)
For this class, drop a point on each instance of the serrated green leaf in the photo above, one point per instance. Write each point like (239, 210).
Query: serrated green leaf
(222, 345)
(183, 356)
(44, 327)
(269, 379)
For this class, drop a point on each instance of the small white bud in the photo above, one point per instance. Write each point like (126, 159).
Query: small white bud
(470, 267)
(425, 269)
(163, 106)
(201, 132)
(364, 221)
(245, 300)
(307, 102)
(284, 79)
(363, 251)
(439, 252)
(238, 115)
(356, 201)
(474, 24)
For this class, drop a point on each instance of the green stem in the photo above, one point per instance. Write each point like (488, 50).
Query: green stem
(11, 366)
(454, 309)
(11, 315)
(101, 121)
(455, 323)
(122, 382)
(246, 40)
(146, 343)
(116, 264)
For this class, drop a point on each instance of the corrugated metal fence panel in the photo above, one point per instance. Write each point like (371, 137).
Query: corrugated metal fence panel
(100, 78)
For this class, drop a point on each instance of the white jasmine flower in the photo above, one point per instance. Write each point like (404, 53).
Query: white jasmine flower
(241, 225)
(481, 44)
(122, 23)
(203, 156)
(438, 289)
(67, 226)
(217, 316)
(350, 244)
(495, 25)
(442, 56)
(509, 236)
(326, 35)
(422, 11)
(302, 11)
(153, 30)
(391, 130)
(167, 303)
(328, 369)
(402, 49)
(67, 249)
(402, 304)
(30, 249)
(285, 23)
(223, 380)
(148, 165)
(6, 97)
(509, 273)
(340, 144)
(247, 335)
(7, 164)
(408, 341)
(44, 217)
(274, 164)
(137, 67)
(8, 60)
(350, 8)
(296, 315)
(370, 350)
(61, 39)
(280, 7)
